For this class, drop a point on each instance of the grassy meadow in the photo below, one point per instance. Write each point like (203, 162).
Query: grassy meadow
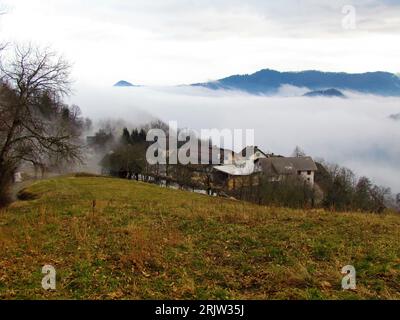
(119, 239)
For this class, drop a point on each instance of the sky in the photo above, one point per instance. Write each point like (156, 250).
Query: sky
(170, 42)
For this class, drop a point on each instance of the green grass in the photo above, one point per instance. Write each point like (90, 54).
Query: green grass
(146, 242)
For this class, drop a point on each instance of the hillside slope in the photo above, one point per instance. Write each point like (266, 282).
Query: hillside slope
(140, 241)
(269, 81)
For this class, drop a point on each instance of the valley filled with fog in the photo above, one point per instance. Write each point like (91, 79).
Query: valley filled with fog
(356, 132)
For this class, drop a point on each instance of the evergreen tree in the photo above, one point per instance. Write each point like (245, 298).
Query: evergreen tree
(126, 137)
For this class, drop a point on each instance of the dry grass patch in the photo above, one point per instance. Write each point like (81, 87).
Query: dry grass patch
(148, 244)
(119, 239)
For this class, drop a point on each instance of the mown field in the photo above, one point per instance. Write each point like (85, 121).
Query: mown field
(119, 239)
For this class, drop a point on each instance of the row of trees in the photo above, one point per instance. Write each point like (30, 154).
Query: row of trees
(344, 192)
(289, 192)
(36, 126)
(128, 156)
(336, 188)
(127, 159)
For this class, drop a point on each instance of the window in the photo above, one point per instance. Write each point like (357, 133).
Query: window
(309, 172)
(299, 173)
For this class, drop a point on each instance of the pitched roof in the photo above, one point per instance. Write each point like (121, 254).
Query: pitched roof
(281, 165)
(250, 151)
(244, 169)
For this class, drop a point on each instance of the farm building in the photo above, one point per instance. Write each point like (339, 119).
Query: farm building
(277, 168)
(252, 162)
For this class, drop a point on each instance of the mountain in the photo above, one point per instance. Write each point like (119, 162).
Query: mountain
(268, 82)
(325, 93)
(123, 83)
(395, 117)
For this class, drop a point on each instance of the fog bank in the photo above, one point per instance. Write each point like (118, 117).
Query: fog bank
(355, 132)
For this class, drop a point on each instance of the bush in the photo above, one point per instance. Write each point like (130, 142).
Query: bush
(86, 175)
(25, 195)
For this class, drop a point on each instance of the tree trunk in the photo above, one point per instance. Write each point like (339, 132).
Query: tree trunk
(6, 179)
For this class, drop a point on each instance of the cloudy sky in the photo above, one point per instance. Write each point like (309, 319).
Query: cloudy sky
(163, 42)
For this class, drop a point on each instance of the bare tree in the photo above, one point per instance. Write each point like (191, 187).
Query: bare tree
(298, 152)
(32, 127)
(398, 201)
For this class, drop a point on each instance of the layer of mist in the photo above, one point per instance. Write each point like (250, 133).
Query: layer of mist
(354, 132)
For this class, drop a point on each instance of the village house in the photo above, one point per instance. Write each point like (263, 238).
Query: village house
(240, 170)
(232, 176)
(216, 168)
(277, 168)
(252, 162)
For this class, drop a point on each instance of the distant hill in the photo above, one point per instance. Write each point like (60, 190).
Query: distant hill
(123, 83)
(395, 117)
(269, 81)
(325, 93)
